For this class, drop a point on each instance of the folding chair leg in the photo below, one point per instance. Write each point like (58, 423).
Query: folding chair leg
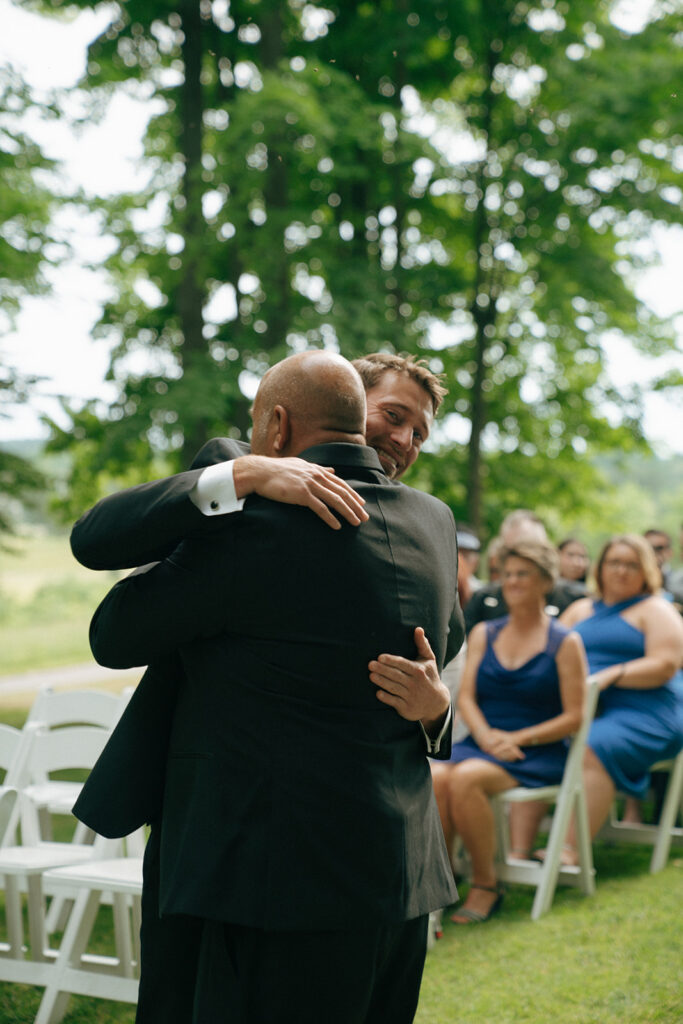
(550, 870)
(124, 946)
(136, 914)
(57, 914)
(15, 927)
(667, 817)
(584, 844)
(55, 1001)
(553, 855)
(59, 909)
(36, 917)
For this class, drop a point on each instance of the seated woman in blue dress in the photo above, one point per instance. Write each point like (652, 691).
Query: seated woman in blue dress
(634, 641)
(521, 695)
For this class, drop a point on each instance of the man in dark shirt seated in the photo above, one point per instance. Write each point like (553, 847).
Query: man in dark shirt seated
(487, 602)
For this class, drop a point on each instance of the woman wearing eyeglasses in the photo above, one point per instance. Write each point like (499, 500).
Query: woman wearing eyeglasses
(634, 642)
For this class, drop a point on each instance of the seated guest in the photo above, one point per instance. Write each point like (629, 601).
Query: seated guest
(574, 562)
(660, 542)
(634, 641)
(468, 560)
(488, 602)
(675, 580)
(493, 560)
(521, 695)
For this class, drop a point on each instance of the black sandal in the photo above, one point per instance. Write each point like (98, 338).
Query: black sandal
(474, 916)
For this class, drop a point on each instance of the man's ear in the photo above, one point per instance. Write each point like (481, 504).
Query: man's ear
(282, 429)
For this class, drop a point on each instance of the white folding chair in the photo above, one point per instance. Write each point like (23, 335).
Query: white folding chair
(14, 745)
(569, 799)
(22, 867)
(74, 972)
(665, 833)
(53, 709)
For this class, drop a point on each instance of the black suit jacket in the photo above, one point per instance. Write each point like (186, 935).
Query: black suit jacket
(131, 528)
(294, 798)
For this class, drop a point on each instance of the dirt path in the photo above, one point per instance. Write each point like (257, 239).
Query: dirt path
(68, 677)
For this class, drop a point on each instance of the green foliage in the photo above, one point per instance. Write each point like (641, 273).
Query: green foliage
(26, 199)
(484, 168)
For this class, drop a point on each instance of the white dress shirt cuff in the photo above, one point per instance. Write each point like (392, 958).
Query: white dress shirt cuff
(214, 492)
(434, 745)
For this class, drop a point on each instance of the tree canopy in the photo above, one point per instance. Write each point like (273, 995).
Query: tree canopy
(27, 201)
(466, 182)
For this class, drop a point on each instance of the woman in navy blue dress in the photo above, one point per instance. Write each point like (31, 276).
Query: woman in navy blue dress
(634, 643)
(521, 695)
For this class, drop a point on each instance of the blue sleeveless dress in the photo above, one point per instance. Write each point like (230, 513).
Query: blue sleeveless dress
(516, 699)
(633, 728)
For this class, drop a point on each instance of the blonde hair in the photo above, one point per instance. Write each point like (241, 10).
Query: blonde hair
(645, 555)
(540, 553)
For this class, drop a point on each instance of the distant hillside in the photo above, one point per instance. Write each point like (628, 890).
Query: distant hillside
(657, 476)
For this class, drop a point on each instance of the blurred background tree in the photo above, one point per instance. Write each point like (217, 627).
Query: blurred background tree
(27, 201)
(464, 181)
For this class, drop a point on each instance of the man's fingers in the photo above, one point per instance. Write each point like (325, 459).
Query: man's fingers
(342, 502)
(323, 512)
(395, 663)
(387, 680)
(422, 644)
(388, 698)
(338, 495)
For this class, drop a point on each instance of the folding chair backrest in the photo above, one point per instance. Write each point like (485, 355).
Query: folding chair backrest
(8, 800)
(574, 763)
(55, 708)
(14, 748)
(75, 746)
(12, 745)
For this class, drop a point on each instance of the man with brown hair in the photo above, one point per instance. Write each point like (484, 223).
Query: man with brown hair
(300, 847)
(144, 524)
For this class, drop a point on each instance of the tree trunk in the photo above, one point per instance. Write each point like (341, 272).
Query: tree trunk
(483, 316)
(191, 295)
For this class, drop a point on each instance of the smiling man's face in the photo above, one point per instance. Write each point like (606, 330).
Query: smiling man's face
(400, 416)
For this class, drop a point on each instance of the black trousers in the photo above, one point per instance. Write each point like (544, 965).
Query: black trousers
(206, 972)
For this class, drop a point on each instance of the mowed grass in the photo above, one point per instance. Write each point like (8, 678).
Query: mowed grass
(46, 602)
(614, 958)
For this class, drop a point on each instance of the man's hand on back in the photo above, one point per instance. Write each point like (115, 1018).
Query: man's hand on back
(413, 688)
(297, 482)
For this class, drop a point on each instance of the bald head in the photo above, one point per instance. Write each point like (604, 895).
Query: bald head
(309, 398)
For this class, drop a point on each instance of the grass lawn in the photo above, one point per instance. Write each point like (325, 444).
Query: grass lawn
(614, 958)
(611, 959)
(46, 602)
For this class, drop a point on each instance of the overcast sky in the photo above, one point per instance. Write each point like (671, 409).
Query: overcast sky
(53, 334)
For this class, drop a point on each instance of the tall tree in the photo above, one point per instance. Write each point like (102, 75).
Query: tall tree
(26, 246)
(351, 174)
(268, 222)
(574, 124)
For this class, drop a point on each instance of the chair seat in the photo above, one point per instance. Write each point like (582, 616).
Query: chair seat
(520, 794)
(34, 860)
(58, 797)
(121, 874)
